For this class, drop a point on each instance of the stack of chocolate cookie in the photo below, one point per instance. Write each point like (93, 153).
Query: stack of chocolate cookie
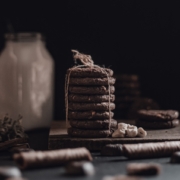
(127, 91)
(157, 119)
(90, 102)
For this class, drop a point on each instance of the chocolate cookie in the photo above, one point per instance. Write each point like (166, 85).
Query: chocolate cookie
(157, 124)
(141, 103)
(127, 92)
(91, 90)
(92, 81)
(104, 106)
(130, 85)
(143, 169)
(90, 98)
(74, 132)
(126, 77)
(112, 150)
(126, 99)
(96, 124)
(90, 72)
(155, 115)
(89, 115)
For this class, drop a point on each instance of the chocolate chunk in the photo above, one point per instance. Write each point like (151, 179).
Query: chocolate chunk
(162, 115)
(157, 124)
(96, 124)
(175, 158)
(104, 106)
(145, 169)
(92, 81)
(90, 72)
(112, 150)
(81, 115)
(80, 168)
(9, 172)
(74, 132)
(90, 98)
(104, 90)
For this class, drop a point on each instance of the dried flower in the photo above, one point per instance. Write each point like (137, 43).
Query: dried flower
(11, 129)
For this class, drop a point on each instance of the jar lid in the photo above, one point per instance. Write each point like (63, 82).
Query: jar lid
(24, 36)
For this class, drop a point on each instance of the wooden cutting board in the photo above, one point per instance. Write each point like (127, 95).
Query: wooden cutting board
(58, 138)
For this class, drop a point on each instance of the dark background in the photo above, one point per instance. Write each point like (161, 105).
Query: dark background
(141, 37)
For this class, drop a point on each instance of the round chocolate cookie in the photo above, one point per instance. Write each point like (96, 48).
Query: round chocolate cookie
(92, 81)
(127, 92)
(90, 98)
(96, 124)
(130, 85)
(141, 103)
(125, 99)
(90, 72)
(91, 90)
(74, 132)
(155, 115)
(157, 124)
(104, 106)
(89, 115)
(126, 77)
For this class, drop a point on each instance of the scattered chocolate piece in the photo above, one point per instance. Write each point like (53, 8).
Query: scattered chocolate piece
(80, 168)
(122, 177)
(150, 150)
(112, 150)
(175, 158)
(37, 159)
(9, 172)
(145, 169)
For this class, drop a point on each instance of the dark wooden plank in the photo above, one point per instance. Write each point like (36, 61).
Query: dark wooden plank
(58, 138)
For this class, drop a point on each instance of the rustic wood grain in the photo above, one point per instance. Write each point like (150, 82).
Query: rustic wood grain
(58, 138)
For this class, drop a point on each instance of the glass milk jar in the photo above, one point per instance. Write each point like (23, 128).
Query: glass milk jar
(26, 80)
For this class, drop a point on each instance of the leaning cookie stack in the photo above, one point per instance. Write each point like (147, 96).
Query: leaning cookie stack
(157, 119)
(127, 91)
(89, 104)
